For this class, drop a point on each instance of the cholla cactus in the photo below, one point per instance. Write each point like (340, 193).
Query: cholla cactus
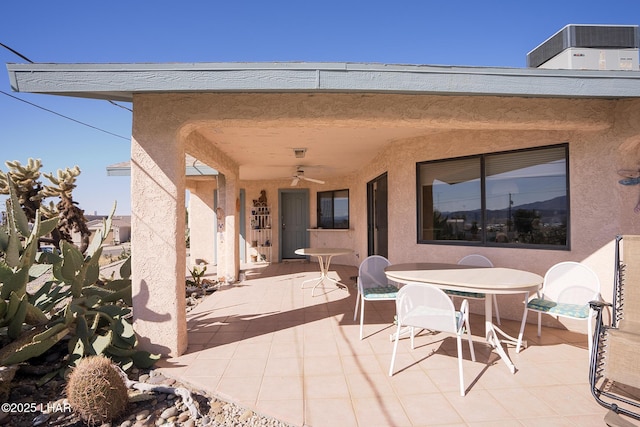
(27, 184)
(31, 194)
(71, 216)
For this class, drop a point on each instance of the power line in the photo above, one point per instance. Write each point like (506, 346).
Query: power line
(15, 52)
(65, 117)
(118, 105)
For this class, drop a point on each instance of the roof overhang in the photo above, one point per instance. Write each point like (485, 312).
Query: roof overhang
(120, 82)
(344, 114)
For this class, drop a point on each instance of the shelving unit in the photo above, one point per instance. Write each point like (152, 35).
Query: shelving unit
(261, 234)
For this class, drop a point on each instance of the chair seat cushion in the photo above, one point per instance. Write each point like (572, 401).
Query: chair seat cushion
(560, 309)
(474, 295)
(380, 292)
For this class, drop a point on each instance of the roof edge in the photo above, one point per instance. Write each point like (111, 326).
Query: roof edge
(121, 81)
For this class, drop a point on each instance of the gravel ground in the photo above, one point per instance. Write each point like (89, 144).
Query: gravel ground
(46, 405)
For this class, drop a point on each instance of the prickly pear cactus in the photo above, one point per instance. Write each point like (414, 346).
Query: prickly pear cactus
(77, 302)
(97, 391)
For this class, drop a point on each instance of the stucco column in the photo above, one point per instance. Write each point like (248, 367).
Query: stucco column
(158, 247)
(202, 222)
(228, 228)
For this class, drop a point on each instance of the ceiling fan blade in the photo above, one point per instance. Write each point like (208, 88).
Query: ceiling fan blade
(295, 181)
(317, 181)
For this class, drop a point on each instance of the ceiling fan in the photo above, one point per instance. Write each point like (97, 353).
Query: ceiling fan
(300, 175)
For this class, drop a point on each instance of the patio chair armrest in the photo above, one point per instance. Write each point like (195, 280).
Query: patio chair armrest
(599, 305)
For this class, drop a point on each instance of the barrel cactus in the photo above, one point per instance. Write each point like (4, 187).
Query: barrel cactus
(97, 391)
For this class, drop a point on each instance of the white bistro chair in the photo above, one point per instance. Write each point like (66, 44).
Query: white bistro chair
(373, 285)
(566, 291)
(423, 306)
(476, 261)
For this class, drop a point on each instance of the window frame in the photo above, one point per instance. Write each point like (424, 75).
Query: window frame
(483, 239)
(319, 195)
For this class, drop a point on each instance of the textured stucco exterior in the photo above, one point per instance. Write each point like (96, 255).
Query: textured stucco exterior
(600, 207)
(202, 220)
(158, 252)
(603, 137)
(358, 121)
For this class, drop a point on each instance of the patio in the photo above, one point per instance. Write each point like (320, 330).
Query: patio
(267, 345)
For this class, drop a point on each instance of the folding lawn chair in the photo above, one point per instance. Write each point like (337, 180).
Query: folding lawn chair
(614, 373)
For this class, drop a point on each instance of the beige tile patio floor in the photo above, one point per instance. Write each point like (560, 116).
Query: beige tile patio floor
(268, 345)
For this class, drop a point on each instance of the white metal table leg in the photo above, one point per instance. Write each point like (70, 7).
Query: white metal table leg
(324, 273)
(491, 332)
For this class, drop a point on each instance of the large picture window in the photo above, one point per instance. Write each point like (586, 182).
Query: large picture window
(517, 198)
(333, 209)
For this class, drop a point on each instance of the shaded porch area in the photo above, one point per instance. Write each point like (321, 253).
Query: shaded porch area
(268, 345)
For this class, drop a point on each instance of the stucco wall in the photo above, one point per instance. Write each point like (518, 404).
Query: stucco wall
(603, 137)
(601, 208)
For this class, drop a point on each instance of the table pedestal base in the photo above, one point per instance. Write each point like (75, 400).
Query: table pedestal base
(320, 280)
(494, 341)
(493, 334)
(325, 262)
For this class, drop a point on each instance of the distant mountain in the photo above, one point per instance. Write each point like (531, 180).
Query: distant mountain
(546, 207)
(559, 203)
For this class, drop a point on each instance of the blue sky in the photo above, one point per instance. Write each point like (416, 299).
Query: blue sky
(488, 33)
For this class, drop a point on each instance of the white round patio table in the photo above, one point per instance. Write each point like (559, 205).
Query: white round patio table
(486, 280)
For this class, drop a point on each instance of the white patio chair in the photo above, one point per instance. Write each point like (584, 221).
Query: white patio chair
(423, 306)
(476, 261)
(373, 285)
(566, 291)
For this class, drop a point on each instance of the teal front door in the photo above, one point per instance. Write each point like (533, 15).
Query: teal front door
(294, 222)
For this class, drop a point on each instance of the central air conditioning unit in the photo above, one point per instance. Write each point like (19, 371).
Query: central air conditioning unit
(589, 47)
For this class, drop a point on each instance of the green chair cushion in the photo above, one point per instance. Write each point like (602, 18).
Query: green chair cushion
(560, 309)
(380, 292)
(474, 295)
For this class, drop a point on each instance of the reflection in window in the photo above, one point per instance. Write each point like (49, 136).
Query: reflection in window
(333, 209)
(515, 198)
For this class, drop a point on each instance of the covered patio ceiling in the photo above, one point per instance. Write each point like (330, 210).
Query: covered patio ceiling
(268, 153)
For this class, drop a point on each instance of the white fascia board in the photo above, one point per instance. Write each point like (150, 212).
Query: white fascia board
(121, 81)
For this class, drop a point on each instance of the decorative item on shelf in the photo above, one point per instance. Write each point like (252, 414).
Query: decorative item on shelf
(262, 200)
(260, 232)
